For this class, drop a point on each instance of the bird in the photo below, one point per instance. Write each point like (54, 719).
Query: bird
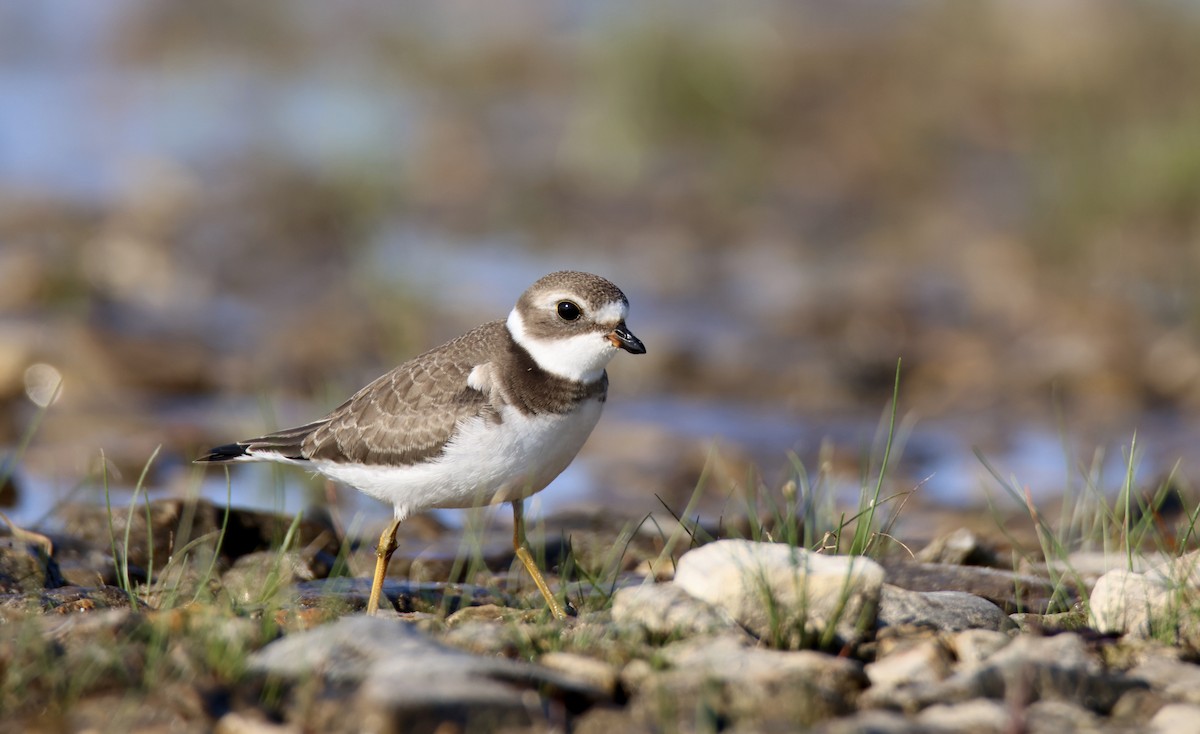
(489, 417)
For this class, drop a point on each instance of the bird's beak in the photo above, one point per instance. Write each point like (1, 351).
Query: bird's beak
(622, 338)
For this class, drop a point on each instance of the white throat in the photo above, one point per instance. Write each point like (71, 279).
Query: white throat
(581, 358)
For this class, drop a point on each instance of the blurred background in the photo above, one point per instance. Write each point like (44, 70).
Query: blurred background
(220, 218)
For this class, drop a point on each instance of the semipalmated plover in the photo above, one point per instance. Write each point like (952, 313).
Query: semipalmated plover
(492, 416)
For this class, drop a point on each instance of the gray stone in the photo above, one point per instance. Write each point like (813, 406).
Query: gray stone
(395, 678)
(949, 611)
(589, 672)
(723, 678)
(958, 547)
(83, 565)
(1135, 708)
(785, 595)
(24, 568)
(921, 662)
(972, 647)
(1059, 668)
(612, 720)
(263, 575)
(1175, 680)
(635, 674)
(666, 610)
(1061, 717)
(980, 716)
(1012, 592)
(871, 722)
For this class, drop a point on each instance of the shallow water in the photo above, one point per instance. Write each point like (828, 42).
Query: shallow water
(937, 460)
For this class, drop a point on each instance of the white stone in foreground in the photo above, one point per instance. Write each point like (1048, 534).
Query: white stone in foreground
(665, 609)
(1160, 602)
(776, 590)
(1175, 717)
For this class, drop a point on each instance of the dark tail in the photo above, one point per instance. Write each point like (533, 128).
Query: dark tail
(285, 444)
(228, 452)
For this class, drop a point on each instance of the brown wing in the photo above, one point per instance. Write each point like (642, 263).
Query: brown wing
(405, 416)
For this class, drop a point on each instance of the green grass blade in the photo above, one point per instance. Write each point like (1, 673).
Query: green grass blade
(212, 564)
(863, 528)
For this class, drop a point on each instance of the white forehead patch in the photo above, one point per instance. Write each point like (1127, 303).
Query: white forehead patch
(611, 313)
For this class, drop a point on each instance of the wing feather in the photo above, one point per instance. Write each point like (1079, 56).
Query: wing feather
(405, 417)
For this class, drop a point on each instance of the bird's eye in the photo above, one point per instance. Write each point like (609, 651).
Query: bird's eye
(568, 311)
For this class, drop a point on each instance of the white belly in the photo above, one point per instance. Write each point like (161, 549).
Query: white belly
(487, 462)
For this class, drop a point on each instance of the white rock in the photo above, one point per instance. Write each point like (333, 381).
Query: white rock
(924, 662)
(1176, 717)
(666, 609)
(776, 590)
(1159, 600)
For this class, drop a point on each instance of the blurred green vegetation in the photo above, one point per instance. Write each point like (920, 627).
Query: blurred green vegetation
(1089, 122)
(1076, 122)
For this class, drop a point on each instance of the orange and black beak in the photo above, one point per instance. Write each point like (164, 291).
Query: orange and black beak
(622, 338)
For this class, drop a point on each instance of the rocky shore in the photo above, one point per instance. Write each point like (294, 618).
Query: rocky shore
(731, 635)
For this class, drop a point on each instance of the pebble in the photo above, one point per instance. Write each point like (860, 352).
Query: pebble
(776, 591)
(875, 722)
(950, 611)
(1175, 718)
(1061, 667)
(22, 569)
(1157, 603)
(1060, 717)
(1012, 592)
(979, 716)
(396, 678)
(723, 678)
(958, 547)
(260, 576)
(1176, 680)
(926, 661)
(237, 722)
(972, 647)
(666, 609)
(589, 671)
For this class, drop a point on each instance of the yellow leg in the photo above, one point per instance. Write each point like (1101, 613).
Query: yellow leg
(527, 560)
(383, 554)
(28, 536)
